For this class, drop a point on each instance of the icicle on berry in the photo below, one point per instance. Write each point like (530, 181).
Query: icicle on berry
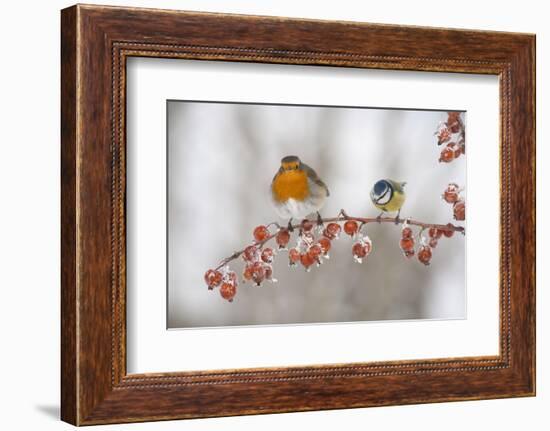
(351, 227)
(251, 253)
(268, 271)
(425, 254)
(450, 195)
(267, 255)
(447, 155)
(213, 278)
(261, 233)
(432, 242)
(282, 238)
(293, 256)
(459, 210)
(228, 291)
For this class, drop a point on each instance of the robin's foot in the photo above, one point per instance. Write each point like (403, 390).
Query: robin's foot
(319, 219)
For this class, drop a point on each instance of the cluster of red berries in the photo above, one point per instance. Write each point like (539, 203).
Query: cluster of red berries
(451, 133)
(223, 278)
(424, 252)
(452, 196)
(309, 250)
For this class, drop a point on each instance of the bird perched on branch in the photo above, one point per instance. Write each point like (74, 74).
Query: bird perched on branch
(388, 196)
(297, 190)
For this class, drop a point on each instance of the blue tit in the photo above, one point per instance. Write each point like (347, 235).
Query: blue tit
(388, 196)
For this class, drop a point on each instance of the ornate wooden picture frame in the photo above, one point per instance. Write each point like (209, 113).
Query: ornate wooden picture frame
(96, 41)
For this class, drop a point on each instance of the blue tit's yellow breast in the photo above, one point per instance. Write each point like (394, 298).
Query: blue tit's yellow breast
(395, 203)
(292, 184)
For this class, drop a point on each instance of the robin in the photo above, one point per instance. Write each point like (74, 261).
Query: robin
(388, 196)
(297, 190)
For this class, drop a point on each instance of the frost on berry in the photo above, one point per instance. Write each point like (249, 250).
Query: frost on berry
(267, 255)
(282, 238)
(407, 242)
(261, 233)
(213, 278)
(332, 231)
(450, 195)
(443, 134)
(424, 254)
(361, 249)
(251, 253)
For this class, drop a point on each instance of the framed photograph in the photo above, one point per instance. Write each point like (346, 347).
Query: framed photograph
(264, 214)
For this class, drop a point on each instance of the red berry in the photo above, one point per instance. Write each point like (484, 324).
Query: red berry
(406, 232)
(351, 227)
(333, 229)
(433, 242)
(447, 155)
(307, 260)
(261, 233)
(228, 291)
(361, 250)
(258, 272)
(459, 210)
(407, 244)
(315, 251)
(267, 255)
(435, 233)
(425, 254)
(450, 195)
(213, 278)
(282, 238)
(293, 256)
(250, 253)
(325, 244)
(449, 232)
(306, 225)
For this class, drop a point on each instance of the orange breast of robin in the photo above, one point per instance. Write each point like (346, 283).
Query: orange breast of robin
(290, 185)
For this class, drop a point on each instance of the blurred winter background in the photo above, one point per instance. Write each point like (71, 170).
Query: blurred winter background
(222, 158)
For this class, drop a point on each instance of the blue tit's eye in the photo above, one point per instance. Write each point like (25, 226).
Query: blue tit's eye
(380, 187)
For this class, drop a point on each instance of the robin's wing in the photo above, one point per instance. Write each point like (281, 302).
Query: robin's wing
(314, 177)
